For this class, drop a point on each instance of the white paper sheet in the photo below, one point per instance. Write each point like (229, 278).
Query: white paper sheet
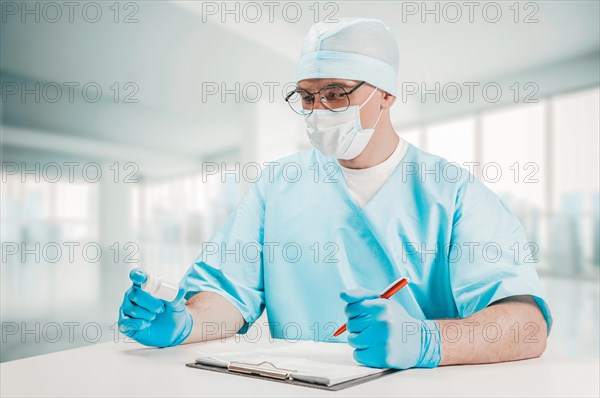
(314, 362)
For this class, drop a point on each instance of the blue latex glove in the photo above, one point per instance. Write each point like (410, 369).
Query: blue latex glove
(152, 321)
(384, 335)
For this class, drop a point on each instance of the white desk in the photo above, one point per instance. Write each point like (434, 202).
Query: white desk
(129, 369)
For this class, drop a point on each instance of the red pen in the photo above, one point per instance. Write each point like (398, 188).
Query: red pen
(387, 293)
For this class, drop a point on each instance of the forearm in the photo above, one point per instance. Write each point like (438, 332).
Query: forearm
(214, 317)
(507, 330)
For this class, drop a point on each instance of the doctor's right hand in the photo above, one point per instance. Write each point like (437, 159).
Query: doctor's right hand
(152, 321)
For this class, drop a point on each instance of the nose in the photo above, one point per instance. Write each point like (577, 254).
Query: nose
(318, 104)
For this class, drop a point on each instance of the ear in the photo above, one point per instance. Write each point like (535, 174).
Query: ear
(388, 100)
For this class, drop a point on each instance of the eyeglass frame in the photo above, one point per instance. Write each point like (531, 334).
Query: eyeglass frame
(346, 93)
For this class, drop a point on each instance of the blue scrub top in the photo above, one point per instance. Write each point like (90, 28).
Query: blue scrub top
(297, 239)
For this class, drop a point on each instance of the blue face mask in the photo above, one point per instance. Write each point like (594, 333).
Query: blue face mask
(339, 134)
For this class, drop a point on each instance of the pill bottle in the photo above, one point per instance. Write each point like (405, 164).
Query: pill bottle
(154, 285)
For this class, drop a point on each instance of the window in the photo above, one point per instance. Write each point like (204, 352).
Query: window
(513, 154)
(575, 195)
(48, 211)
(453, 140)
(576, 150)
(42, 219)
(172, 218)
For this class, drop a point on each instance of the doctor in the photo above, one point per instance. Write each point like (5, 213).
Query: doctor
(323, 230)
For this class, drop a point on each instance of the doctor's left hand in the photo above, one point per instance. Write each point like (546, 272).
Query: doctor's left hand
(384, 335)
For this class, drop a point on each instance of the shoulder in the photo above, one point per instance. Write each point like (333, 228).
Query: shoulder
(445, 180)
(433, 173)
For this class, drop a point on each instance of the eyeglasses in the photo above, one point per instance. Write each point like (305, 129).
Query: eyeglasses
(333, 97)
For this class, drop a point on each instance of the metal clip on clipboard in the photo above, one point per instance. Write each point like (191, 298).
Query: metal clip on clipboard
(267, 370)
(257, 369)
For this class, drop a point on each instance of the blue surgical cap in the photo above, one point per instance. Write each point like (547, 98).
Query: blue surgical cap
(353, 49)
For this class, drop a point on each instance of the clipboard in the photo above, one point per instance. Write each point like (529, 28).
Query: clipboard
(267, 371)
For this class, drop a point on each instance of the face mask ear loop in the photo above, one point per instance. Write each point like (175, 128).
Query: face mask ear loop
(380, 112)
(367, 100)
(378, 117)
